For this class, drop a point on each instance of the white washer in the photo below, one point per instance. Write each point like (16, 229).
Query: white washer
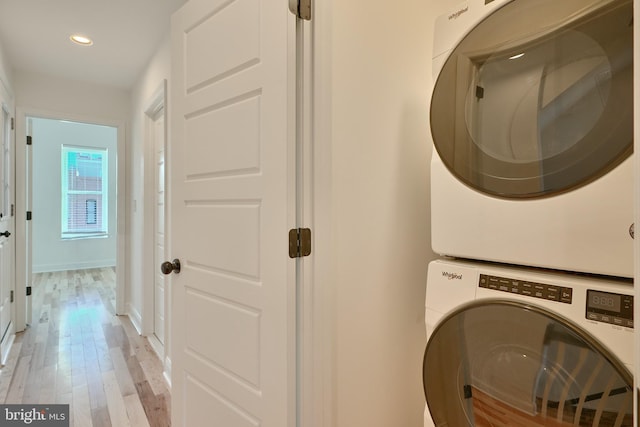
(531, 119)
(539, 347)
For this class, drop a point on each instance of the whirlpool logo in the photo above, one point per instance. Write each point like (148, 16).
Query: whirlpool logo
(457, 14)
(452, 276)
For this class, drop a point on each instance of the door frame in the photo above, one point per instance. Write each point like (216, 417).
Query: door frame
(636, 175)
(317, 300)
(23, 247)
(7, 105)
(157, 101)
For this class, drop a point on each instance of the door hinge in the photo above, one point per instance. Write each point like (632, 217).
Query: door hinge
(29, 140)
(11, 296)
(29, 215)
(13, 209)
(299, 242)
(13, 123)
(467, 390)
(301, 8)
(28, 291)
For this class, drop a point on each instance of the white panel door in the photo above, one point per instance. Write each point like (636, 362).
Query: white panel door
(159, 244)
(232, 169)
(7, 232)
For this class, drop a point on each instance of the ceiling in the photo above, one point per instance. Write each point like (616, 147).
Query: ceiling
(35, 34)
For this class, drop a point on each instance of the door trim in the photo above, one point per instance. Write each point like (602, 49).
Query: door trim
(317, 391)
(636, 162)
(156, 102)
(22, 275)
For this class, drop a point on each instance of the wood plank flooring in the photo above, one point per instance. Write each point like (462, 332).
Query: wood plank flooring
(78, 352)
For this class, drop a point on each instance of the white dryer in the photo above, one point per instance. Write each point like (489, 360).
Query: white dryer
(509, 346)
(532, 123)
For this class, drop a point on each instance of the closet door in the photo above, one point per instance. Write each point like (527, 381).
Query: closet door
(232, 174)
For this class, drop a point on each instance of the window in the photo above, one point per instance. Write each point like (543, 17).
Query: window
(84, 192)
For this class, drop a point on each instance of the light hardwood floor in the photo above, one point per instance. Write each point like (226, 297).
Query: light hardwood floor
(78, 352)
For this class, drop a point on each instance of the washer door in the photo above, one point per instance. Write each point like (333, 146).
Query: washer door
(537, 99)
(503, 363)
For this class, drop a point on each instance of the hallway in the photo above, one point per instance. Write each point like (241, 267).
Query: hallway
(77, 352)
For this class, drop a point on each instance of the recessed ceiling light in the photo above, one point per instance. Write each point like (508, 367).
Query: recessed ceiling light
(81, 40)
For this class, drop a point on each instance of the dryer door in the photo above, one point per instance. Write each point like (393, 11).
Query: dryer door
(537, 99)
(504, 363)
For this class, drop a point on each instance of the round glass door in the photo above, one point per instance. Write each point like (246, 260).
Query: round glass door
(537, 99)
(505, 364)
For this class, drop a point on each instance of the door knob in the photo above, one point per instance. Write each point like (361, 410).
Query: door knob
(169, 267)
(5, 234)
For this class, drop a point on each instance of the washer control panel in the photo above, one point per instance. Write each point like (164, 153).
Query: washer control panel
(609, 307)
(526, 288)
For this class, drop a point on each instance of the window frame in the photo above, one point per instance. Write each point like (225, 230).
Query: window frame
(67, 233)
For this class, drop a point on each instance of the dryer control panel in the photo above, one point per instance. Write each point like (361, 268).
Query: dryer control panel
(527, 288)
(609, 307)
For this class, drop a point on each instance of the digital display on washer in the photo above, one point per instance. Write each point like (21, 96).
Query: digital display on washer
(608, 307)
(605, 301)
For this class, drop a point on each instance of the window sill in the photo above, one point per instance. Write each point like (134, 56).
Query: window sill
(83, 236)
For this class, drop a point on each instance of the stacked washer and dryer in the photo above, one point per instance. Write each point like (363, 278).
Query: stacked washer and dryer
(529, 312)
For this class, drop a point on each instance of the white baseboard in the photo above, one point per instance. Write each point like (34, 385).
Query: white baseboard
(167, 372)
(160, 351)
(7, 344)
(48, 268)
(156, 345)
(135, 317)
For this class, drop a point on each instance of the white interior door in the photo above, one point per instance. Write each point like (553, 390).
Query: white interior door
(232, 175)
(7, 232)
(28, 236)
(159, 243)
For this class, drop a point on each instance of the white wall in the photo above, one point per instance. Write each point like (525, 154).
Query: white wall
(5, 74)
(66, 97)
(50, 251)
(141, 187)
(380, 152)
